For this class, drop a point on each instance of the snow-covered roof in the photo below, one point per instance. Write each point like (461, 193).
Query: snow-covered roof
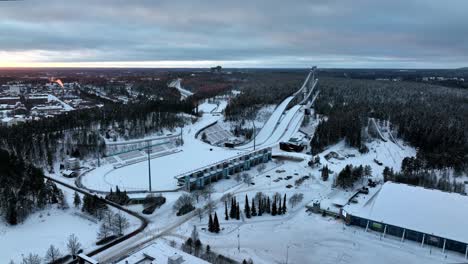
(424, 210)
(161, 252)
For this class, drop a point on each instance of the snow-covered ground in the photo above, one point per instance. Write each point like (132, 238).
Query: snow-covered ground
(304, 237)
(51, 226)
(388, 153)
(195, 154)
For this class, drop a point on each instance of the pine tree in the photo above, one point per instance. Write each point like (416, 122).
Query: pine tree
(233, 208)
(12, 215)
(284, 204)
(226, 217)
(273, 207)
(77, 200)
(247, 207)
(238, 211)
(216, 228)
(260, 207)
(268, 205)
(254, 210)
(325, 173)
(280, 207)
(210, 224)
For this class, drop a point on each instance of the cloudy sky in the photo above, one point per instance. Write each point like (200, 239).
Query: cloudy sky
(240, 33)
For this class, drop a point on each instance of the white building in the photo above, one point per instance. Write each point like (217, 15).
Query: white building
(160, 252)
(428, 216)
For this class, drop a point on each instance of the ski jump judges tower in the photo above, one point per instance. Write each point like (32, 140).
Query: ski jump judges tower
(197, 179)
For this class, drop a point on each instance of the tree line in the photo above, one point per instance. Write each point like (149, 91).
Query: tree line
(431, 118)
(46, 140)
(23, 189)
(262, 88)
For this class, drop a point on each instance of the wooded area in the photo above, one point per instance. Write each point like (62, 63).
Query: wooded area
(431, 118)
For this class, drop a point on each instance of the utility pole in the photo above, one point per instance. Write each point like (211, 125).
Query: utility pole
(238, 240)
(254, 132)
(149, 165)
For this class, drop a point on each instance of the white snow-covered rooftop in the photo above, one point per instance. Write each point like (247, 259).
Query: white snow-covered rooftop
(424, 210)
(160, 252)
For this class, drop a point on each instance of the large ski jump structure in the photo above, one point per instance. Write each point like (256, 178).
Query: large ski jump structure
(195, 156)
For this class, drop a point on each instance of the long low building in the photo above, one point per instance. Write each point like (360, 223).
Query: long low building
(199, 178)
(428, 216)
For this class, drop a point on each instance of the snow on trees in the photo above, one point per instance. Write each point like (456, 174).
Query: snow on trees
(31, 259)
(73, 245)
(76, 200)
(120, 224)
(184, 204)
(296, 199)
(52, 255)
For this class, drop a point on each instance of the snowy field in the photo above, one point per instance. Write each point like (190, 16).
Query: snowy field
(388, 153)
(308, 238)
(52, 226)
(195, 154)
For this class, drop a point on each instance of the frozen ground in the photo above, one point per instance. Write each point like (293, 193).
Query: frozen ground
(388, 153)
(310, 238)
(195, 154)
(42, 229)
(316, 239)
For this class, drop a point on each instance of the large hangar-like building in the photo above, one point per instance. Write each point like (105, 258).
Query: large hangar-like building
(428, 216)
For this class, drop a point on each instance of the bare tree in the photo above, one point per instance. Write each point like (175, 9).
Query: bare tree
(238, 177)
(247, 178)
(53, 254)
(105, 230)
(184, 199)
(207, 191)
(73, 245)
(199, 213)
(295, 199)
(194, 234)
(226, 197)
(120, 224)
(261, 167)
(31, 259)
(210, 206)
(196, 195)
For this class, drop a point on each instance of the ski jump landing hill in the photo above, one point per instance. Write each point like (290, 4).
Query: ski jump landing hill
(276, 127)
(195, 154)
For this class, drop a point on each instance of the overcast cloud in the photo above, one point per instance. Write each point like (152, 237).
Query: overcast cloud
(357, 33)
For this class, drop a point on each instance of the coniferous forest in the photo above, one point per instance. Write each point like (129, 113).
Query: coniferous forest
(261, 89)
(23, 189)
(431, 118)
(80, 131)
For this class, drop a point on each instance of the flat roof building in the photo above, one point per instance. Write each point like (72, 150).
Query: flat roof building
(424, 215)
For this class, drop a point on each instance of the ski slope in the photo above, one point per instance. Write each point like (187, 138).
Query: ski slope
(176, 84)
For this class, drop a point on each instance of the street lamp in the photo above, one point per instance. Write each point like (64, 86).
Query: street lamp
(287, 253)
(254, 132)
(149, 165)
(238, 239)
